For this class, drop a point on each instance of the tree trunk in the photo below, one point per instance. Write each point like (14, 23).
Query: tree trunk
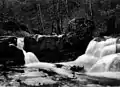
(66, 3)
(29, 26)
(53, 27)
(90, 8)
(58, 31)
(61, 24)
(40, 20)
(67, 10)
(58, 18)
(54, 19)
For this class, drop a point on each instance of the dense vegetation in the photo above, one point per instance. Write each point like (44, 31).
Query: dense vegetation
(46, 16)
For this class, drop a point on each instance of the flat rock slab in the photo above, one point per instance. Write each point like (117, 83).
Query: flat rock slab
(35, 79)
(39, 81)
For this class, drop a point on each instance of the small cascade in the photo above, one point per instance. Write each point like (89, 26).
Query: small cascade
(104, 64)
(91, 47)
(102, 48)
(108, 67)
(110, 41)
(20, 43)
(95, 51)
(94, 48)
(108, 50)
(87, 59)
(29, 56)
(109, 47)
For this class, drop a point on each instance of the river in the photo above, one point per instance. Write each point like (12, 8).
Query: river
(42, 74)
(20, 76)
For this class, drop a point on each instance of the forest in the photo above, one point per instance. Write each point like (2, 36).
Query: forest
(48, 16)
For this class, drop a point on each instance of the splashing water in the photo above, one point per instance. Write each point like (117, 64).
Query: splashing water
(94, 52)
(91, 47)
(32, 61)
(20, 43)
(29, 56)
(102, 48)
(105, 63)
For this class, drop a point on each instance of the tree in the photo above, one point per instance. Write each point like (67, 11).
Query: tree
(40, 20)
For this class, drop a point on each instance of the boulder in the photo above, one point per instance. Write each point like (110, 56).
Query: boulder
(9, 53)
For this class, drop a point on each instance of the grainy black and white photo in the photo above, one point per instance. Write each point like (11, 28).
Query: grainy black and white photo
(59, 43)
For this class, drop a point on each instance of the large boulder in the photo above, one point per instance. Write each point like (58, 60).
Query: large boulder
(9, 53)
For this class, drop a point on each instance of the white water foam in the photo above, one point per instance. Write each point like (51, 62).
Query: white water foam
(29, 56)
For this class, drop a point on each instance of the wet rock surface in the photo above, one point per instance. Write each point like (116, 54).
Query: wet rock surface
(32, 77)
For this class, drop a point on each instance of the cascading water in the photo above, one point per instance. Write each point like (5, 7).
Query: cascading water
(108, 50)
(102, 48)
(94, 52)
(29, 56)
(31, 61)
(109, 47)
(108, 67)
(103, 64)
(94, 48)
(91, 47)
(91, 55)
(87, 59)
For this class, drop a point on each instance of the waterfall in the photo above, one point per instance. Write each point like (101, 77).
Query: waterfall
(104, 64)
(94, 52)
(29, 56)
(94, 48)
(91, 47)
(97, 50)
(102, 48)
(31, 61)
(108, 50)
(20, 43)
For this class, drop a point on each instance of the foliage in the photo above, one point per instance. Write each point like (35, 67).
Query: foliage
(27, 12)
(103, 11)
(54, 15)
